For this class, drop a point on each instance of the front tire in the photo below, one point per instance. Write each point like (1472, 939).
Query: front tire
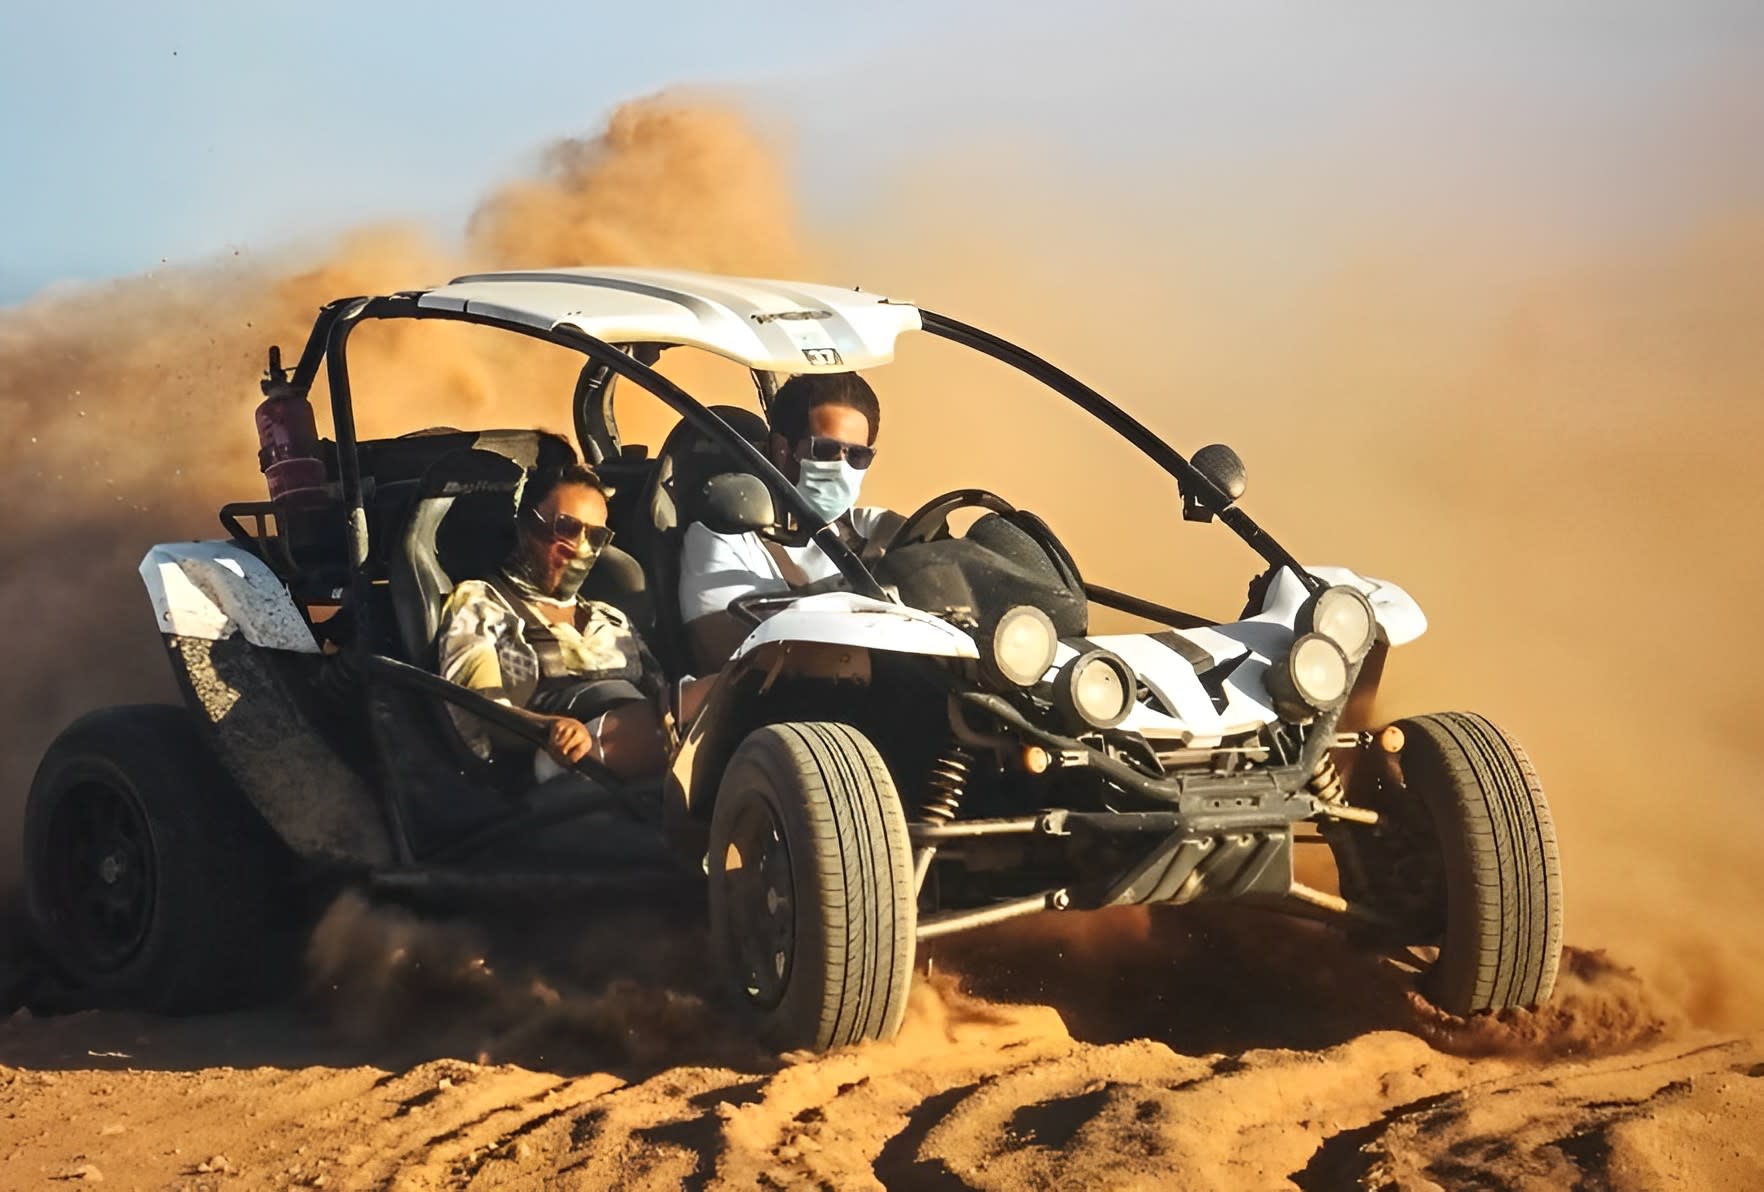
(1467, 855)
(149, 881)
(811, 891)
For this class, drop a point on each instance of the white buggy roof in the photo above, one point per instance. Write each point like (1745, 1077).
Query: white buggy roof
(774, 326)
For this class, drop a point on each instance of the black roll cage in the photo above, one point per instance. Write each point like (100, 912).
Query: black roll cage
(328, 343)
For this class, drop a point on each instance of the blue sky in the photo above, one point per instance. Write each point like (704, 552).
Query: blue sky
(176, 131)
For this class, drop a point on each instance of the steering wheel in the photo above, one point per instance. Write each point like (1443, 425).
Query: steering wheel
(931, 520)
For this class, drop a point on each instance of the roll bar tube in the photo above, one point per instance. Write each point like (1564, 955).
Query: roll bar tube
(344, 315)
(1188, 477)
(338, 319)
(690, 409)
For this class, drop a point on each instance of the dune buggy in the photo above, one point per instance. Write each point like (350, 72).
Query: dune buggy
(936, 743)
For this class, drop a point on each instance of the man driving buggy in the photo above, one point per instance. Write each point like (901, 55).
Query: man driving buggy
(524, 636)
(822, 430)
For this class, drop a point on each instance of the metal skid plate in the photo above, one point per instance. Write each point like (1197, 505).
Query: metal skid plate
(1185, 867)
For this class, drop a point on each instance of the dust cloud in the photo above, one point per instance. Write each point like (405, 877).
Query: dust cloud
(570, 993)
(128, 405)
(1555, 455)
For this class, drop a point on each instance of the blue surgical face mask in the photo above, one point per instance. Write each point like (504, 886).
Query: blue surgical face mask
(830, 486)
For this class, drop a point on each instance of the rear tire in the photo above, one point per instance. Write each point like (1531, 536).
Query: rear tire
(149, 881)
(1471, 807)
(811, 890)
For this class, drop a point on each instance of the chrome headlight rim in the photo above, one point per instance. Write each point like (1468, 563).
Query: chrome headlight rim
(1068, 690)
(1324, 613)
(1022, 646)
(1299, 700)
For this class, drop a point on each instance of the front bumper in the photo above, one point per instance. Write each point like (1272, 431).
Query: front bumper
(1201, 801)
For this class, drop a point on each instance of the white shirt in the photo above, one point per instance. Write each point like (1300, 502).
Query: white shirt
(717, 568)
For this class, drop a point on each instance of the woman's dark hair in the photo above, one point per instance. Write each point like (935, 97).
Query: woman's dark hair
(789, 412)
(556, 464)
(542, 482)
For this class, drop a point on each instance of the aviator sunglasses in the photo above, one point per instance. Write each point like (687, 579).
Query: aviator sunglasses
(565, 528)
(819, 447)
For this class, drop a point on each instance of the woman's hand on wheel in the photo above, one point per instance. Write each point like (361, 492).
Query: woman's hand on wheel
(570, 741)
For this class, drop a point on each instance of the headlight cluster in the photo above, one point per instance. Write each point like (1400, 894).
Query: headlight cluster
(1336, 629)
(1095, 690)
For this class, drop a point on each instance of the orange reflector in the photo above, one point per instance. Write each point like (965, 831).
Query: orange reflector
(1036, 760)
(1391, 740)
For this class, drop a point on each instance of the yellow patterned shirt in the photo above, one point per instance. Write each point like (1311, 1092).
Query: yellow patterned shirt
(483, 647)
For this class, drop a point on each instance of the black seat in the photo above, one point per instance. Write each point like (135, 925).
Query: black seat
(455, 521)
(461, 525)
(668, 505)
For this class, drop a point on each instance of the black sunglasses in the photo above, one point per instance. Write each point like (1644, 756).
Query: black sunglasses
(858, 455)
(565, 528)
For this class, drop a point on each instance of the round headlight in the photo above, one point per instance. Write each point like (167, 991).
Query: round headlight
(1344, 616)
(1023, 645)
(1095, 690)
(1313, 677)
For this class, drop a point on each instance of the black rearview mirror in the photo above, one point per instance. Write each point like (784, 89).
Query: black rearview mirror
(1220, 465)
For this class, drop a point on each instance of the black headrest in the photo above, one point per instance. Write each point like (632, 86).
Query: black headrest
(409, 457)
(470, 470)
(696, 457)
(476, 530)
(743, 422)
(460, 525)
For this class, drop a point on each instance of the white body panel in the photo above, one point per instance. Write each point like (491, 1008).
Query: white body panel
(1254, 642)
(1171, 669)
(212, 590)
(1400, 619)
(847, 619)
(775, 326)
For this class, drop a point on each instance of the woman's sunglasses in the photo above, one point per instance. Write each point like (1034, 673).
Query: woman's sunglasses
(565, 528)
(858, 455)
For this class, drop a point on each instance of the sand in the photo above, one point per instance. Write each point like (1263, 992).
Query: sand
(419, 1060)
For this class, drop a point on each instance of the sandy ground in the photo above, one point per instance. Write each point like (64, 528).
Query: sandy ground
(1191, 1049)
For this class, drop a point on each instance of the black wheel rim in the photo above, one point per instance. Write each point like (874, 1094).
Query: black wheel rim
(101, 875)
(760, 895)
(1400, 858)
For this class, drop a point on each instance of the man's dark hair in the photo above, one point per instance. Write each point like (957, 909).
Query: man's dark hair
(789, 413)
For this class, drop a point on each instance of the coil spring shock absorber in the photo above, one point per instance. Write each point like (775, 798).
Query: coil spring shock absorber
(947, 783)
(1326, 782)
(1331, 792)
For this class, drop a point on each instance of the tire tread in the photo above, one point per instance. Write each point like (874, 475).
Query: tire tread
(1504, 937)
(860, 871)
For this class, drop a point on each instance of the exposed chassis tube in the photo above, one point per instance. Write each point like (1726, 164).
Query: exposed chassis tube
(949, 922)
(1151, 610)
(341, 318)
(653, 885)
